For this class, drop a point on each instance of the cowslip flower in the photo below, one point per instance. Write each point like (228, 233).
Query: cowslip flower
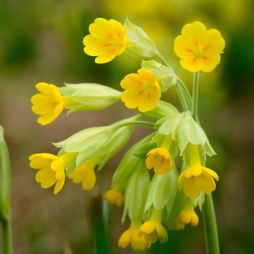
(107, 39)
(132, 237)
(51, 169)
(85, 174)
(186, 216)
(160, 160)
(142, 90)
(198, 48)
(115, 197)
(153, 229)
(48, 103)
(196, 178)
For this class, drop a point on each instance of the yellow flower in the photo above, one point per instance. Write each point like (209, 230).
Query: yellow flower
(153, 229)
(187, 216)
(107, 39)
(142, 90)
(132, 237)
(115, 197)
(160, 160)
(198, 48)
(85, 174)
(48, 103)
(197, 178)
(51, 169)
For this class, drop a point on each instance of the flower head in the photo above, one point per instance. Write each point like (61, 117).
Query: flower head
(153, 229)
(107, 39)
(113, 196)
(85, 174)
(142, 90)
(187, 216)
(48, 103)
(197, 178)
(51, 169)
(160, 160)
(132, 237)
(198, 48)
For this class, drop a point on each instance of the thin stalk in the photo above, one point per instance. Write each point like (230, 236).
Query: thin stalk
(181, 89)
(5, 195)
(195, 96)
(186, 92)
(182, 98)
(139, 123)
(210, 225)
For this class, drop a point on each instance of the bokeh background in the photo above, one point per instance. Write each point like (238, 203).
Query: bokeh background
(41, 40)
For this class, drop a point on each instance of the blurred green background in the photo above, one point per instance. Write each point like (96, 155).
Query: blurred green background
(41, 40)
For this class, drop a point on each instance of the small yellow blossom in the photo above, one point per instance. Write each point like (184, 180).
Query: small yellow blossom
(51, 169)
(197, 178)
(198, 48)
(107, 39)
(187, 216)
(142, 90)
(115, 197)
(160, 160)
(132, 237)
(85, 174)
(48, 103)
(153, 229)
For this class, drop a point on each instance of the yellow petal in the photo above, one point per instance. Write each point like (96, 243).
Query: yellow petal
(59, 185)
(89, 180)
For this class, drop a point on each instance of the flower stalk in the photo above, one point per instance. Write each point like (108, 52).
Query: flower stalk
(210, 224)
(5, 215)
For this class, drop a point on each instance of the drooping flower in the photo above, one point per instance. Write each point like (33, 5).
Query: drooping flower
(115, 197)
(51, 169)
(48, 103)
(85, 174)
(132, 237)
(187, 216)
(107, 39)
(196, 178)
(198, 48)
(142, 90)
(153, 229)
(160, 160)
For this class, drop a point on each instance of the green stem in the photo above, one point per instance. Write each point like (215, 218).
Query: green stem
(195, 96)
(5, 195)
(181, 89)
(211, 232)
(186, 93)
(139, 123)
(210, 225)
(182, 98)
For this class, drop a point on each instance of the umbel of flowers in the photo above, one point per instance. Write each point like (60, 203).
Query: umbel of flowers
(157, 194)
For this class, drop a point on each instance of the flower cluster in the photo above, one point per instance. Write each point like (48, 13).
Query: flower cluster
(157, 194)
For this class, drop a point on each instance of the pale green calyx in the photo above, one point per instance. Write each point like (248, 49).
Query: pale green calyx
(165, 74)
(139, 43)
(185, 130)
(162, 109)
(162, 190)
(89, 96)
(136, 192)
(129, 163)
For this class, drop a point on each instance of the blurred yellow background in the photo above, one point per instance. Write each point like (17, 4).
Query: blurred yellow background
(42, 41)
